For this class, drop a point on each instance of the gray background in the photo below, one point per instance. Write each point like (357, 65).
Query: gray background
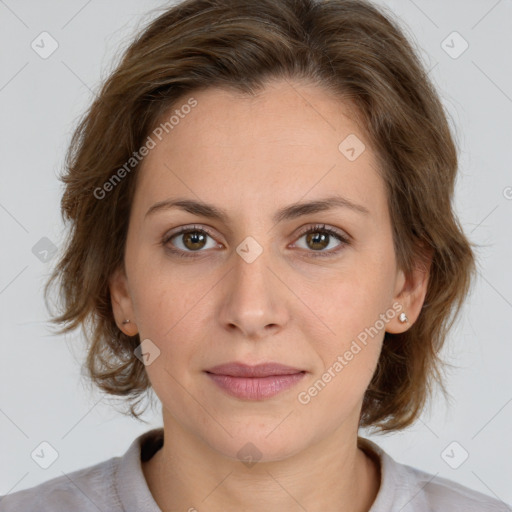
(42, 396)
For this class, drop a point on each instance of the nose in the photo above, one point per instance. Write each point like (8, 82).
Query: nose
(255, 299)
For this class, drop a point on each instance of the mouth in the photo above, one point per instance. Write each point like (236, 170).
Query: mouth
(258, 382)
(236, 369)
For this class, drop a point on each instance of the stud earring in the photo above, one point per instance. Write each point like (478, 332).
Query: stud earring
(403, 318)
(126, 322)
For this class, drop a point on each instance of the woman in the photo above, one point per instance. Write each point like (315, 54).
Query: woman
(262, 232)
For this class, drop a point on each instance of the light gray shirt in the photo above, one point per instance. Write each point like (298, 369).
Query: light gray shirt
(118, 485)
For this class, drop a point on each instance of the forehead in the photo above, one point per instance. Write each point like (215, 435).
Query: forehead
(287, 141)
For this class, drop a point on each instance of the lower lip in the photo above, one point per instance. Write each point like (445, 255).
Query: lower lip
(255, 388)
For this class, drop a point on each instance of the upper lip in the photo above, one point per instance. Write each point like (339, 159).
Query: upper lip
(236, 369)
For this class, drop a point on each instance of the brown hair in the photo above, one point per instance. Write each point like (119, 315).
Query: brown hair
(349, 47)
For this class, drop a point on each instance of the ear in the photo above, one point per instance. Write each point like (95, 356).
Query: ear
(122, 302)
(410, 291)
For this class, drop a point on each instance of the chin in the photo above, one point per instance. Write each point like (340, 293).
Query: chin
(254, 444)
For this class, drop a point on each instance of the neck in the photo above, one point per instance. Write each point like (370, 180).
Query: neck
(330, 475)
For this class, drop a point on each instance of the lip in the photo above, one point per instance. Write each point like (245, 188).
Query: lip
(257, 382)
(236, 369)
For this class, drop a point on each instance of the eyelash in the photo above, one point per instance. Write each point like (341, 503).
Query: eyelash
(319, 228)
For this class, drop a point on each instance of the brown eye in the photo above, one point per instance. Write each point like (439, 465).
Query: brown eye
(319, 238)
(189, 240)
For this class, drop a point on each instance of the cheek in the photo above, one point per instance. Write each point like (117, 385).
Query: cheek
(350, 351)
(173, 312)
(352, 300)
(352, 308)
(164, 294)
(171, 317)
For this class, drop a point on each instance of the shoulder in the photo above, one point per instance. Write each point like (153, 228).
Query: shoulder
(437, 493)
(409, 489)
(86, 489)
(116, 484)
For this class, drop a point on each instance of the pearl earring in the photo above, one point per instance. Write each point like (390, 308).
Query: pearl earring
(403, 318)
(126, 322)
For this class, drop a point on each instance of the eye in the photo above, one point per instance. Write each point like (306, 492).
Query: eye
(320, 237)
(189, 239)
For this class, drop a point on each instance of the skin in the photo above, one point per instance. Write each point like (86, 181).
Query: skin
(252, 155)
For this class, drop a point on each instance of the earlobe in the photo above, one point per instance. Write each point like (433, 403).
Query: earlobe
(401, 322)
(410, 294)
(122, 303)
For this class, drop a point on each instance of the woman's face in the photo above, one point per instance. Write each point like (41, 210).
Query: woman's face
(250, 286)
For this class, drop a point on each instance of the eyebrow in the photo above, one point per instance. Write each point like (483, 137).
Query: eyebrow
(291, 212)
